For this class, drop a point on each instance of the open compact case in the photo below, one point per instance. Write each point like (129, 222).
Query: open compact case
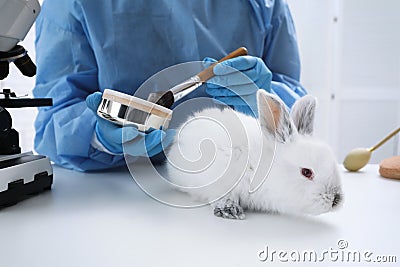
(123, 109)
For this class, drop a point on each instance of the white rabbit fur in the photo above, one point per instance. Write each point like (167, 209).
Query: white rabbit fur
(242, 153)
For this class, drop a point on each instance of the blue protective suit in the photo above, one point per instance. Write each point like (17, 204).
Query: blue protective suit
(87, 46)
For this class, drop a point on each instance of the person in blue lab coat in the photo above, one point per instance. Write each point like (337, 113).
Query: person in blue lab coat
(84, 47)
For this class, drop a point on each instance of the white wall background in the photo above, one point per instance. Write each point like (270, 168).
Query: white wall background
(350, 51)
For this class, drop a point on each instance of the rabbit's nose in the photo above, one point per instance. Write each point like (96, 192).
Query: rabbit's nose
(336, 199)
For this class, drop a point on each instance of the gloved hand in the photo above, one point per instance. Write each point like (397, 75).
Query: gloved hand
(127, 139)
(237, 80)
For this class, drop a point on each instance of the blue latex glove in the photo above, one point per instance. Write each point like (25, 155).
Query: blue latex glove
(237, 80)
(127, 139)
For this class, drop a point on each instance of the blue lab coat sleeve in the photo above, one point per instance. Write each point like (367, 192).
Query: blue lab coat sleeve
(67, 73)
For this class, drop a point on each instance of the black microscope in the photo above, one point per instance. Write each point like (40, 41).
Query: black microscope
(21, 174)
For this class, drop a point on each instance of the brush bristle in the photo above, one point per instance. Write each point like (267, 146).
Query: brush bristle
(166, 100)
(154, 97)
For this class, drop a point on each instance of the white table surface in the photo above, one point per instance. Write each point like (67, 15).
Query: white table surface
(104, 219)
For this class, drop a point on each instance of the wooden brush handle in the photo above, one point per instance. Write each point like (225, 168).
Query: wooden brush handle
(384, 140)
(208, 73)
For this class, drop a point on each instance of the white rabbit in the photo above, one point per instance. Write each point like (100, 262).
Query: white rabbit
(236, 162)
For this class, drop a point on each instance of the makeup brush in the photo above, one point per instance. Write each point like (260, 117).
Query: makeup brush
(359, 157)
(169, 97)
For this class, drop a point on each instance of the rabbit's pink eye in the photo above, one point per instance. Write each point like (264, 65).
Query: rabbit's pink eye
(308, 173)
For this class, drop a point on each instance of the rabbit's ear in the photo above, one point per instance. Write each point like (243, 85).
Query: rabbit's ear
(303, 113)
(274, 117)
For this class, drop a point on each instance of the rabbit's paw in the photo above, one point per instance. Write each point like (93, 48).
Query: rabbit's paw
(228, 209)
